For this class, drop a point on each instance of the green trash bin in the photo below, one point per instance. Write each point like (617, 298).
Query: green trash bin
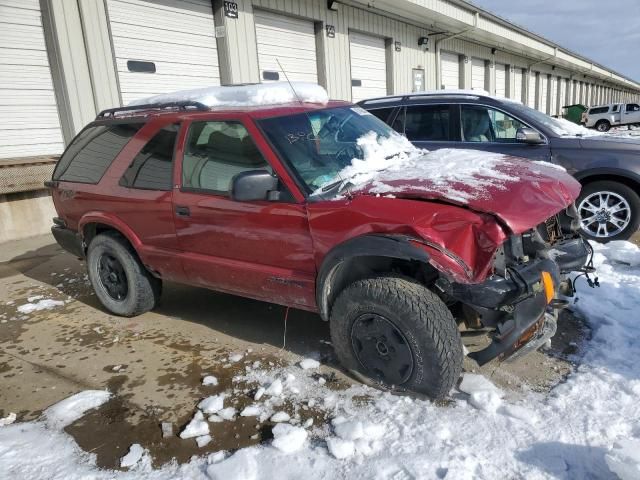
(573, 113)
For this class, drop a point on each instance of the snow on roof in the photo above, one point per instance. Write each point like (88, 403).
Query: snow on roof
(244, 95)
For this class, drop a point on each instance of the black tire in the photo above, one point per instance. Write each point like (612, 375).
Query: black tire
(142, 290)
(624, 191)
(425, 326)
(603, 125)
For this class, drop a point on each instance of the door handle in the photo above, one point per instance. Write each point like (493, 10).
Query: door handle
(183, 211)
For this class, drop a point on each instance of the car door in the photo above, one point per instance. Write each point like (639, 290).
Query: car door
(494, 130)
(259, 249)
(632, 113)
(430, 126)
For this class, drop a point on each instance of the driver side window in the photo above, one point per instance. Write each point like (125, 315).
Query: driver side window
(217, 151)
(485, 124)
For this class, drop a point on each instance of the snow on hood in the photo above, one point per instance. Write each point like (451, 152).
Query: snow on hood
(244, 95)
(520, 192)
(390, 160)
(566, 128)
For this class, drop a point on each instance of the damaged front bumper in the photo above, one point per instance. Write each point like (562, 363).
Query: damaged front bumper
(521, 306)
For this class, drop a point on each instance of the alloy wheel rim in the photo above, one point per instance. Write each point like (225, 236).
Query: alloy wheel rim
(604, 214)
(382, 349)
(112, 277)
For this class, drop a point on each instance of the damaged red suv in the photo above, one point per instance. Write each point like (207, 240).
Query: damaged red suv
(322, 207)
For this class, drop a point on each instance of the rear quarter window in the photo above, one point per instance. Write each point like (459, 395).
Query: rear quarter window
(91, 153)
(597, 110)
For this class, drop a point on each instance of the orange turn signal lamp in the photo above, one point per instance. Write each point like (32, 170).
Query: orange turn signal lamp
(547, 283)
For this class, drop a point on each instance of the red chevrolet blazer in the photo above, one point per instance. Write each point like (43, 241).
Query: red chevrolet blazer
(287, 204)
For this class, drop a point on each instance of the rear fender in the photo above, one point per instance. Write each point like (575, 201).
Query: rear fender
(113, 222)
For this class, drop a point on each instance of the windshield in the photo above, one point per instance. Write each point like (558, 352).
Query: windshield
(318, 144)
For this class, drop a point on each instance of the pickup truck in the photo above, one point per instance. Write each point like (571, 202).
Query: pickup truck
(603, 117)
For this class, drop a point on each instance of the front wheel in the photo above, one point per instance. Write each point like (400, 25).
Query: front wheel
(608, 211)
(399, 334)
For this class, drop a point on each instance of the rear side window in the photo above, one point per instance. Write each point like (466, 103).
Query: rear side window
(382, 113)
(92, 152)
(427, 123)
(152, 168)
(597, 110)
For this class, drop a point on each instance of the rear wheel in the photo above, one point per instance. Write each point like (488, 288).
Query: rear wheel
(608, 211)
(603, 126)
(122, 284)
(399, 334)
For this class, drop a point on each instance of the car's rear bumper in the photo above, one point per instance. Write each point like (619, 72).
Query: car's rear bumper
(518, 307)
(68, 239)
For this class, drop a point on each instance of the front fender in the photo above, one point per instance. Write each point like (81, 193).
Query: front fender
(401, 247)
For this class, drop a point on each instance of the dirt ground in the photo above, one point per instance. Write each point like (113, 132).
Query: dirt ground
(154, 364)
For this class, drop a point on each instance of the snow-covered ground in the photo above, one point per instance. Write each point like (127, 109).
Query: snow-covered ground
(586, 428)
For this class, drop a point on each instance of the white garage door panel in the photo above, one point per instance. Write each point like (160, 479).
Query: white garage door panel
(178, 36)
(290, 41)
(369, 65)
(517, 84)
(544, 93)
(29, 121)
(478, 71)
(501, 80)
(531, 93)
(450, 70)
(553, 93)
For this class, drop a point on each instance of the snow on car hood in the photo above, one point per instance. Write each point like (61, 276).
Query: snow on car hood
(519, 192)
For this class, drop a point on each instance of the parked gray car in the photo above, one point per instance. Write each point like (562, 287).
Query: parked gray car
(607, 167)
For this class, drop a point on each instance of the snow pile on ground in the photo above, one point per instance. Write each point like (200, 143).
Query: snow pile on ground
(197, 427)
(460, 175)
(587, 427)
(37, 303)
(133, 456)
(71, 409)
(244, 95)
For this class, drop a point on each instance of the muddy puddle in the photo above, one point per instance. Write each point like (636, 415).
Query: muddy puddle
(110, 430)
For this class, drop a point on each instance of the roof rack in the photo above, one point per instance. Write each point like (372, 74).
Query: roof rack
(183, 105)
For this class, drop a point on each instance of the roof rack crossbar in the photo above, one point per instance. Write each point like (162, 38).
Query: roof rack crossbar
(183, 105)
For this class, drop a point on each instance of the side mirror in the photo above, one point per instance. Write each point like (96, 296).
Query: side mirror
(529, 136)
(254, 185)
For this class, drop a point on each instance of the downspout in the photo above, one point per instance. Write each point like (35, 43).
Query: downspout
(449, 37)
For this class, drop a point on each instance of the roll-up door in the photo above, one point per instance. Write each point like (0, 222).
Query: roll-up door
(450, 70)
(368, 66)
(544, 93)
(288, 40)
(478, 74)
(29, 122)
(531, 91)
(518, 78)
(163, 46)
(501, 80)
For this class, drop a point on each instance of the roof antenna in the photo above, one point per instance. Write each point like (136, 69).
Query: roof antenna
(315, 134)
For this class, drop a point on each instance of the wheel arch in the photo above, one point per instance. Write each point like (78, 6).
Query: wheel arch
(610, 174)
(364, 256)
(93, 224)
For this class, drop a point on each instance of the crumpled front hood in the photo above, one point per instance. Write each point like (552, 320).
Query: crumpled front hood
(521, 193)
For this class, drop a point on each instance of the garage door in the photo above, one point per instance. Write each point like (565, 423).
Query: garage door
(553, 94)
(29, 122)
(291, 41)
(531, 92)
(163, 46)
(478, 74)
(368, 66)
(544, 93)
(450, 70)
(518, 78)
(563, 92)
(501, 80)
